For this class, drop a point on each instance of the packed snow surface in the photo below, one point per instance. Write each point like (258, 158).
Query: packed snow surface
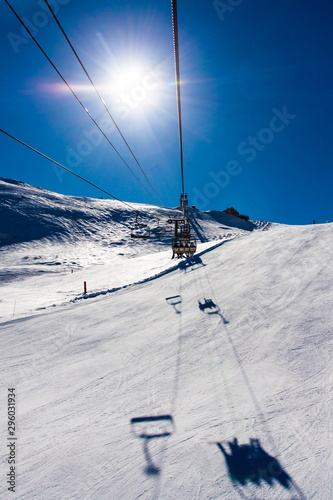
(203, 378)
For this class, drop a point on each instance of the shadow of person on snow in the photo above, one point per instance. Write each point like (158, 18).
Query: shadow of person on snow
(208, 304)
(250, 462)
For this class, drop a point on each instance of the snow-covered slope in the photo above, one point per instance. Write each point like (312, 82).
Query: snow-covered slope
(44, 234)
(234, 344)
(30, 213)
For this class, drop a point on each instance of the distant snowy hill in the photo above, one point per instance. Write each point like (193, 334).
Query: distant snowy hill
(30, 213)
(208, 378)
(42, 232)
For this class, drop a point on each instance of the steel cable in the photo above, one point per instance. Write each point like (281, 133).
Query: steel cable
(100, 97)
(176, 53)
(76, 97)
(65, 168)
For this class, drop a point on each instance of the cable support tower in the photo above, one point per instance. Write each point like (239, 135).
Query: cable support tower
(77, 98)
(65, 168)
(99, 96)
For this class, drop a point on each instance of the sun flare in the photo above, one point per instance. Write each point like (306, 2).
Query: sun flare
(135, 86)
(127, 78)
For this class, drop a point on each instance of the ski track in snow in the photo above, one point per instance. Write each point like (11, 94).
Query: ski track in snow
(234, 343)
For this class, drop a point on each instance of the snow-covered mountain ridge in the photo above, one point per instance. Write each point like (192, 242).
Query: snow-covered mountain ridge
(31, 213)
(42, 232)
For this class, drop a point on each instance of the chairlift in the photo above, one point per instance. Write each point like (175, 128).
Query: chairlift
(140, 230)
(143, 233)
(161, 230)
(185, 246)
(183, 242)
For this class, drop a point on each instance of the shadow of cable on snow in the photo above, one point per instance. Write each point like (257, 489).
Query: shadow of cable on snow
(213, 308)
(243, 457)
(237, 459)
(251, 463)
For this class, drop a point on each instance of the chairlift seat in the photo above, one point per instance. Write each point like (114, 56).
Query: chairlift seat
(136, 232)
(184, 248)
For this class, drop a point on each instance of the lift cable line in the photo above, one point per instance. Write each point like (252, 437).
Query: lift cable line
(176, 53)
(183, 243)
(76, 97)
(67, 169)
(100, 97)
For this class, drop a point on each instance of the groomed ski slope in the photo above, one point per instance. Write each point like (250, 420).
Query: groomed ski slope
(253, 361)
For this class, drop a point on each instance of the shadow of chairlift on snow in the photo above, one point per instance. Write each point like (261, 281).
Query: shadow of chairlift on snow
(251, 463)
(148, 428)
(208, 306)
(191, 263)
(174, 302)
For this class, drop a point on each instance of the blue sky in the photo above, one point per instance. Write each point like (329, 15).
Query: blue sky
(257, 102)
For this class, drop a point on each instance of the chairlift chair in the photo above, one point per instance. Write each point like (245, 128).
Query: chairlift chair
(140, 230)
(183, 242)
(161, 230)
(181, 247)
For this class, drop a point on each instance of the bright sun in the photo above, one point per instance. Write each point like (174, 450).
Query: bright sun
(127, 78)
(135, 87)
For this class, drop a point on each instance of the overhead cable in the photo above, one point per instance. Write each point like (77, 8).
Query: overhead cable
(76, 97)
(67, 169)
(176, 52)
(99, 96)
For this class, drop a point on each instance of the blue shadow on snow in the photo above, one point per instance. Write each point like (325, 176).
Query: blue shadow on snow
(251, 463)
